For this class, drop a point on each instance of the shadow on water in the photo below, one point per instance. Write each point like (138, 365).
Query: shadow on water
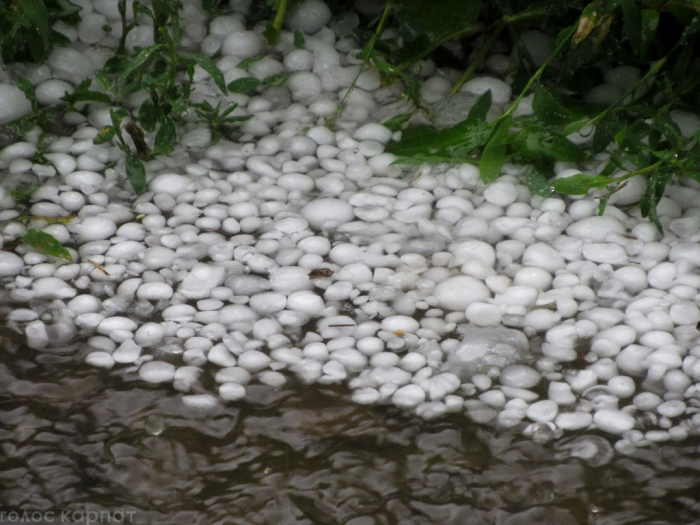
(74, 438)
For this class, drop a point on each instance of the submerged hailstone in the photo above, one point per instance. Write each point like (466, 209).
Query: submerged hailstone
(482, 349)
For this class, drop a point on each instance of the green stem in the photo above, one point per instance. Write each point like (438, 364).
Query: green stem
(538, 73)
(279, 15)
(365, 59)
(479, 57)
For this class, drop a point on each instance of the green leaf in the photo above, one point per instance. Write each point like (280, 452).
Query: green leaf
(46, 243)
(459, 140)
(38, 16)
(140, 59)
(245, 85)
(277, 80)
(136, 174)
(165, 138)
(605, 131)
(494, 153)
(653, 191)
(395, 123)
(208, 65)
(537, 182)
(148, 115)
(548, 109)
(479, 110)
(580, 184)
(26, 87)
(105, 135)
(243, 64)
(633, 23)
(538, 143)
(650, 22)
(299, 41)
(426, 24)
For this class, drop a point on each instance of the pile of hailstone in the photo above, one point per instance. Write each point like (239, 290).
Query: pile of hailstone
(303, 253)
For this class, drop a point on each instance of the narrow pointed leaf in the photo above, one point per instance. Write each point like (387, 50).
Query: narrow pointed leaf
(580, 184)
(208, 65)
(136, 174)
(46, 243)
(481, 108)
(494, 153)
(165, 138)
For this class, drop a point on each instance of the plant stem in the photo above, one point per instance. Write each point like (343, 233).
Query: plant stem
(279, 15)
(479, 57)
(366, 52)
(571, 31)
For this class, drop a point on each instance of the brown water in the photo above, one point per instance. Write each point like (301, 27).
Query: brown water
(74, 438)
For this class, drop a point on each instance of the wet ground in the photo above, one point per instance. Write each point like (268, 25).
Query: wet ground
(76, 439)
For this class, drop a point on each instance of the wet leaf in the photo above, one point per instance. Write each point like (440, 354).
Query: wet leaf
(299, 41)
(38, 16)
(605, 131)
(464, 136)
(396, 123)
(165, 138)
(136, 174)
(537, 182)
(105, 135)
(46, 243)
(148, 115)
(277, 80)
(243, 64)
(27, 88)
(139, 60)
(549, 110)
(538, 143)
(580, 184)
(653, 191)
(494, 153)
(479, 110)
(246, 85)
(208, 65)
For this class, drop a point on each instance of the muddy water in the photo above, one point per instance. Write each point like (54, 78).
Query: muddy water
(76, 439)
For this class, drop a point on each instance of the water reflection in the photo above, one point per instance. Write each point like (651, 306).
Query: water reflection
(73, 437)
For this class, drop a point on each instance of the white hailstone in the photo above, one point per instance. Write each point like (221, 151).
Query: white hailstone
(510, 418)
(676, 381)
(128, 352)
(355, 273)
(373, 131)
(561, 394)
(670, 409)
(231, 391)
(220, 356)
(500, 91)
(687, 122)
(541, 255)
(307, 370)
(200, 401)
(306, 302)
(595, 229)
(350, 358)
(605, 252)
(581, 380)
(298, 60)
(13, 103)
(457, 293)
(408, 396)
(289, 279)
(662, 275)
(334, 370)
(111, 324)
(10, 263)
(573, 420)
(484, 314)
(149, 334)
(441, 385)
(69, 64)
(401, 323)
(268, 302)
(233, 374)
(272, 378)
(541, 319)
(243, 44)
(613, 421)
(170, 184)
(494, 398)
(157, 372)
(622, 386)
(50, 91)
(100, 359)
(95, 228)
(646, 401)
(155, 291)
(412, 362)
(501, 193)
(685, 313)
(327, 213)
(370, 345)
(630, 360)
(536, 277)
(253, 360)
(542, 411)
(365, 396)
(91, 28)
(52, 288)
(387, 359)
(309, 17)
(200, 280)
(519, 376)
(304, 86)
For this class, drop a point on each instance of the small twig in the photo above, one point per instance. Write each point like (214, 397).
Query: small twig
(99, 267)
